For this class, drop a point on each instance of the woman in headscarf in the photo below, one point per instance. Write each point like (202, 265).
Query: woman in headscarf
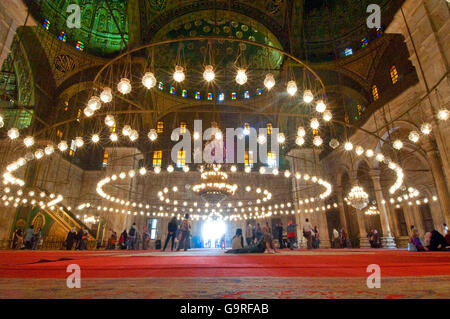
(415, 240)
(437, 241)
(291, 234)
(70, 238)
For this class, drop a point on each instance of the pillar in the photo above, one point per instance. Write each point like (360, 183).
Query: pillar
(340, 198)
(323, 229)
(363, 240)
(387, 240)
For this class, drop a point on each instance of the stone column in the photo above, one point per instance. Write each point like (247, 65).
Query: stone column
(387, 240)
(439, 179)
(363, 240)
(340, 198)
(323, 229)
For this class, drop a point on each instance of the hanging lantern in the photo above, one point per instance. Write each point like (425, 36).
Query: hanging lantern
(261, 139)
(443, 114)
(79, 142)
(88, 111)
(348, 146)
(269, 81)
(314, 123)
(208, 74)
(95, 138)
(179, 75)
(114, 137)
(28, 141)
(281, 138)
(397, 144)
(308, 96)
(241, 77)
(152, 135)
(426, 128)
(291, 88)
(124, 86)
(134, 135)
(359, 150)
(109, 120)
(62, 146)
(334, 143)
(149, 80)
(301, 131)
(126, 131)
(94, 103)
(317, 141)
(299, 141)
(327, 116)
(13, 133)
(106, 95)
(321, 107)
(358, 198)
(414, 136)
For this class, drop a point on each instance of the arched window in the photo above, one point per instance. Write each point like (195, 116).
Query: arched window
(394, 74)
(375, 93)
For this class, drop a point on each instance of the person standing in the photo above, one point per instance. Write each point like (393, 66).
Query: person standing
(18, 239)
(185, 227)
(123, 240)
(84, 240)
(291, 234)
(172, 230)
(28, 237)
(280, 235)
(316, 238)
(132, 236)
(307, 233)
(79, 238)
(36, 238)
(249, 234)
(70, 238)
(336, 241)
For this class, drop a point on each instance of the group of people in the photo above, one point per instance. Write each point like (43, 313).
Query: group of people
(79, 238)
(31, 238)
(433, 241)
(341, 239)
(181, 234)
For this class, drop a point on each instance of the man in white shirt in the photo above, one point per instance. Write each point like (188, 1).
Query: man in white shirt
(307, 233)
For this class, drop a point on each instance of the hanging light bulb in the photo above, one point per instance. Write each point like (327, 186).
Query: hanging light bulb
(414, 136)
(443, 114)
(299, 141)
(379, 157)
(62, 146)
(308, 97)
(109, 120)
(317, 140)
(126, 131)
(124, 86)
(348, 146)
(208, 74)
(152, 135)
(241, 77)
(186, 168)
(49, 150)
(314, 123)
(261, 139)
(39, 154)
(281, 138)
(28, 141)
(359, 150)
(397, 144)
(291, 88)
(321, 107)
(179, 75)
(269, 81)
(327, 116)
(106, 95)
(426, 128)
(79, 142)
(334, 143)
(301, 131)
(149, 80)
(95, 138)
(94, 103)
(142, 171)
(369, 153)
(13, 133)
(170, 168)
(88, 111)
(114, 137)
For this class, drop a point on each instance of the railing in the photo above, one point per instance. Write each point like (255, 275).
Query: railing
(49, 244)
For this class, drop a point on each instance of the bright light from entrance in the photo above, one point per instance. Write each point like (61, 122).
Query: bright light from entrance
(213, 230)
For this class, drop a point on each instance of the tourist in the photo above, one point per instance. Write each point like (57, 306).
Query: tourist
(258, 232)
(374, 239)
(279, 234)
(316, 238)
(336, 239)
(270, 248)
(426, 239)
(132, 236)
(172, 227)
(292, 234)
(260, 247)
(238, 240)
(84, 239)
(36, 238)
(112, 241)
(79, 239)
(185, 228)
(145, 238)
(70, 238)
(416, 242)
(249, 234)
(28, 237)
(345, 241)
(123, 240)
(307, 233)
(18, 239)
(437, 241)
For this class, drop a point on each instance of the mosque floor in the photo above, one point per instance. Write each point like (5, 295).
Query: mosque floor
(210, 273)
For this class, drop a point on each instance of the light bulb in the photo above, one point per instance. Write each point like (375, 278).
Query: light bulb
(426, 128)
(152, 135)
(414, 136)
(114, 137)
(186, 168)
(269, 81)
(369, 153)
(49, 150)
(142, 171)
(443, 114)
(299, 141)
(327, 116)
(208, 74)
(241, 77)
(379, 157)
(359, 150)
(291, 88)
(321, 107)
(126, 131)
(247, 169)
(88, 111)
(124, 86)
(157, 170)
(233, 168)
(95, 138)
(94, 103)
(317, 140)
(308, 96)
(149, 80)
(62, 146)
(262, 170)
(334, 143)
(39, 154)
(79, 142)
(28, 141)
(170, 168)
(109, 120)
(134, 135)
(397, 144)
(179, 75)
(281, 138)
(13, 133)
(261, 139)
(106, 95)
(301, 131)
(348, 146)
(314, 123)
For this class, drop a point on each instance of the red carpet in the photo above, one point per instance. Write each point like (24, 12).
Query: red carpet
(322, 263)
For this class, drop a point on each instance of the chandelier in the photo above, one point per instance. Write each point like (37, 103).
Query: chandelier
(372, 210)
(214, 188)
(358, 198)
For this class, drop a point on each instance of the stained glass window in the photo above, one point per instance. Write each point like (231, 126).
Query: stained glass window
(249, 159)
(394, 74)
(348, 51)
(198, 96)
(269, 128)
(221, 97)
(375, 93)
(210, 96)
(183, 127)
(46, 24)
(181, 159)
(105, 159)
(160, 127)
(62, 36)
(184, 93)
(246, 95)
(157, 158)
(80, 46)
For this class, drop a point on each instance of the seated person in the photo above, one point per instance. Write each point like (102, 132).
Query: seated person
(415, 240)
(260, 247)
(238, 240)
(270, 247)
(437, 241)
(447, 238)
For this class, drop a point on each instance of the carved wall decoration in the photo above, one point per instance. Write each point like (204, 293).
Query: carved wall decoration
(64, 63)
